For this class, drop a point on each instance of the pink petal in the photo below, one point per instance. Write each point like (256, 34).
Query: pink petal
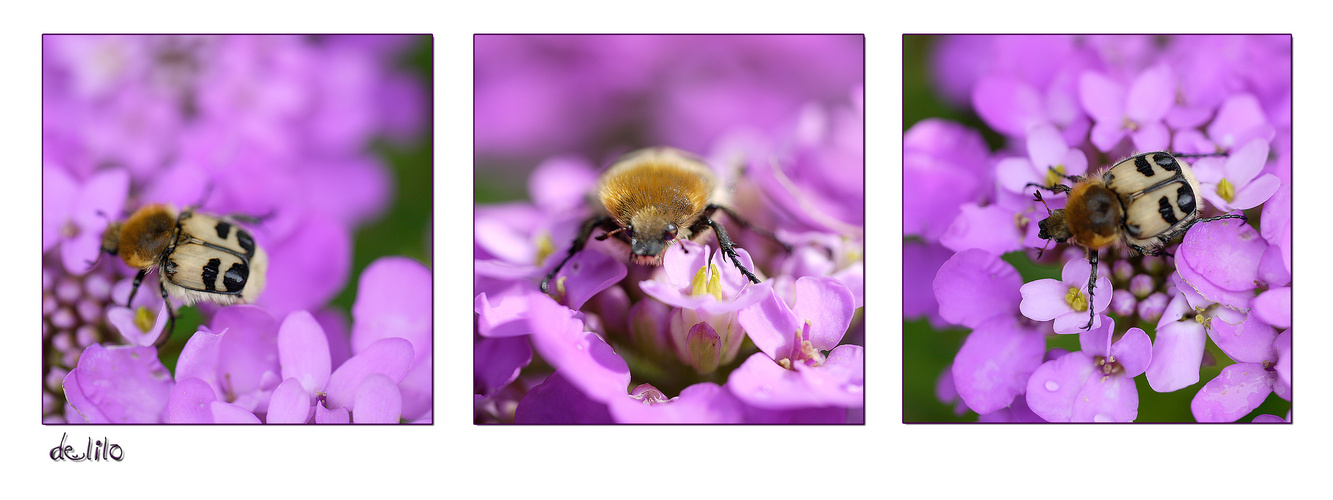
(1177, 354)
(827, 305)
(303, 351)
(1046, 148)
(227, 413)
(1243, 164)
(1043, 300)
(289, 404)
(1133, 351)
(1106, 399)
(1103, 98)
(771, 325)
(1249, 341)
(338, 415)
(190, 403)
(1055, 385)
(1238, 390)
(1256, 192)
(377, 401)
(1151, 96)
(391, 357)
(1008, 104)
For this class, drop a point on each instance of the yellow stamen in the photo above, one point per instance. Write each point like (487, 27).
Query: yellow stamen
(545, 247)
(1054, 175)
(1076, 300)
(715, 282)
(707, 281)
(144, 319)
(1226, 190)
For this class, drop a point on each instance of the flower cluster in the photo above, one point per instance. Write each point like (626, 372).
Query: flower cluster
(275, 127)
(691, 341)
(1066, 106)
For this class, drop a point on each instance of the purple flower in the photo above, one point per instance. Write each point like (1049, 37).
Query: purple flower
(1273, 307)
(974, 285)
(838, 381)
(1238, 390)
(143, 321)
(78, 226)
(393, 301)
(1137, 111)
(1275, 223)
(1046, 150)
(921, 262)
(1234, 183)
(695, 278)
(240, 362)
(1220, 260)
(585, 359)
(704, 402)
(1239, 120)
(117, 385)
(1178, 348)
(819, 316)
(945, 164)
(557, 401)
(993, 366)
(1095, 384)
(1066, 300)
(992, 228)
(815, 184)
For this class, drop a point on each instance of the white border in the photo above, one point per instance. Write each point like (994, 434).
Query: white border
(453, 458)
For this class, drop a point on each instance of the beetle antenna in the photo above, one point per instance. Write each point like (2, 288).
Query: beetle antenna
(1037, 195)
(1198, 155)
(609, 234)
(1043, 249)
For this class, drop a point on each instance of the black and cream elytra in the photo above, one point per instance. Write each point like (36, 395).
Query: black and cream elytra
(1142, 202)
(198, 257)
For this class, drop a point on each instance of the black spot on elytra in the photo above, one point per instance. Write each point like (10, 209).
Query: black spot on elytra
(223, 228)
(1141, 164)
(1168, 213)
(235, 277)
(247, 243)
(210, 274)
(1185, 199)
(1167, 162)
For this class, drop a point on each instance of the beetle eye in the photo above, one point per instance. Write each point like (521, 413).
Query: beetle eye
(670, 232)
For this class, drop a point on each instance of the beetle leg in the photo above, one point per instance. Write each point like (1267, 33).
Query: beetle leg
(724, 242)
(1171, 235)
(1058, 188)
(171, 321)
(138, 279)
(1154, 251)
(252, 220)
(579, 241)
(1092, 284)
(1075, 178)
(746, 224)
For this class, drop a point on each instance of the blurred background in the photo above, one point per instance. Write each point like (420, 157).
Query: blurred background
(597, 96)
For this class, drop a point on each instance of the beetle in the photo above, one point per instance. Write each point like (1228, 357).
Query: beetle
(652, 197)
(199, 257)
(1142, 202)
